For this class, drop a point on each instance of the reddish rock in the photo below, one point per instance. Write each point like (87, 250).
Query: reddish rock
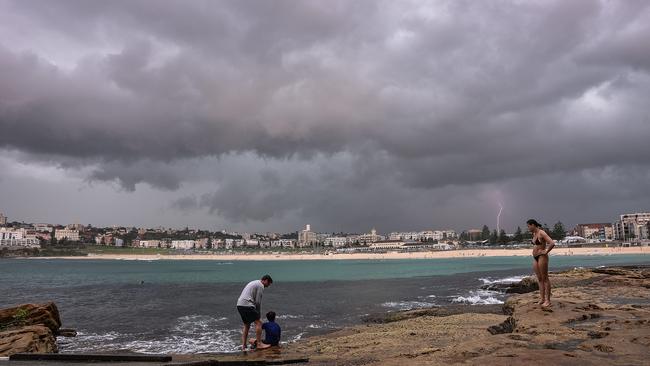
(29, 339)
(29, 328)
(31, 314)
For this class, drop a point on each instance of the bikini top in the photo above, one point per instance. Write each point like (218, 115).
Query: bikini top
(536, 241)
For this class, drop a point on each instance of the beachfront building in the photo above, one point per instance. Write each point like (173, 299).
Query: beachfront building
(388, 245)
(14, 238)
(449, 234)
(3, 219)
(426, 235)
(371, 237)
(601, 231)
(406, 235)
(201, 243)
(632, 226)
(150, 244)
(287, 243)
(183, 244)
(252, 243)
(43, 228)
(66, 234)
(78, 227)
(306, 237)
(336, 241)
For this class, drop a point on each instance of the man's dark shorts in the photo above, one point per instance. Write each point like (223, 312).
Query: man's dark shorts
(248, 314)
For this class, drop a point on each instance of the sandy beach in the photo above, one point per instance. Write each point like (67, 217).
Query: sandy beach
(467, 253)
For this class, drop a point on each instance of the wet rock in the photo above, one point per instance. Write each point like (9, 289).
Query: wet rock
(66, 332)
(508, 326)
(526, 285)
(438, 311)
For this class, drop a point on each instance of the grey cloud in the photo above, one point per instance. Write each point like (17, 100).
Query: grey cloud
(185, 203)
(423, 97)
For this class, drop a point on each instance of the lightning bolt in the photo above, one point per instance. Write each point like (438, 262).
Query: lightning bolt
(499, 218)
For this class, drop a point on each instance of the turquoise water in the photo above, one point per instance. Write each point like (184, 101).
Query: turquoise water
(59, 272)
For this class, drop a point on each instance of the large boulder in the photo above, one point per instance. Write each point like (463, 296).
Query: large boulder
(29, 328)
(527, 284)
(29, 339)
(31, 314)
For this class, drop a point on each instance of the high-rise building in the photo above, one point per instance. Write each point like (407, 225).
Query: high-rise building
(306, 237)
(603, 231)
(3, 219)
(632, 226)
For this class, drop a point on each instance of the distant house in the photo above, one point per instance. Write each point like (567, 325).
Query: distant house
(66, 234)
(149, 243)
(183, 244)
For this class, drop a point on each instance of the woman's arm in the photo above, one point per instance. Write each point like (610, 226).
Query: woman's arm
(550, 242)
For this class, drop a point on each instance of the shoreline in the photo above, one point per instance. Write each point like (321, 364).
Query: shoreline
(463, 253)
(585, 326)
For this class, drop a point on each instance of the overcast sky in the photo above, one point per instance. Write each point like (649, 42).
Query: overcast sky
(348, 115)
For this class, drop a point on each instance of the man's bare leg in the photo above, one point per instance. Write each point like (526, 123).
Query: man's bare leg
(244, 336)
(258, 331)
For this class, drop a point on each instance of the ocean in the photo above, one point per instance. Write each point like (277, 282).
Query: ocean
(160, 306)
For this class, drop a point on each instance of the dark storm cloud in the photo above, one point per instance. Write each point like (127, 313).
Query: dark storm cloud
(419, 96)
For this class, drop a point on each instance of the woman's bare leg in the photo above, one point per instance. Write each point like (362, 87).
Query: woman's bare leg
(540, 281)
(543, 269)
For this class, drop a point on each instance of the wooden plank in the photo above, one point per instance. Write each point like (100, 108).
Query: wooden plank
(79, 357)
(287, 361)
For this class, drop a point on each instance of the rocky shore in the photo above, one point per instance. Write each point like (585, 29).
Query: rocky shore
(599, 317)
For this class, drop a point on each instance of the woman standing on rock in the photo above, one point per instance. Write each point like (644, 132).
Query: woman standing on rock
(542, 245)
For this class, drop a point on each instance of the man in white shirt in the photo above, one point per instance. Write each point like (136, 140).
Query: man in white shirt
(249, 306)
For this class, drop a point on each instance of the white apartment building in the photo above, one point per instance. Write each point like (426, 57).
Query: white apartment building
(69, 235)
(632, 226)
(18, 238)
(255, 243)
(183, 244)
(43, 227)
(450, 234)
(387, 245)
(426, 235)
(287, 243)
(150, 243)
(336, 241)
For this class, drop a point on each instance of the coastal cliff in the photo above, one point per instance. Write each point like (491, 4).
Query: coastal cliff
(599, 317)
